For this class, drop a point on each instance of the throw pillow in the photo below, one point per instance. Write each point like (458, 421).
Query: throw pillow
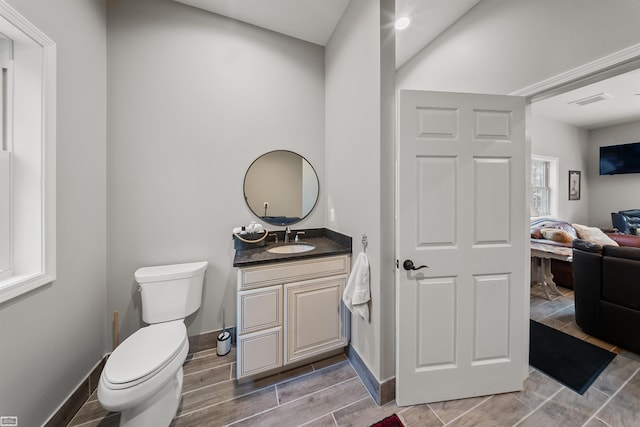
(557, 235)
(594, 235)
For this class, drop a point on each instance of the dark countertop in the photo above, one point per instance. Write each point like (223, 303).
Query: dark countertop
(326, 242)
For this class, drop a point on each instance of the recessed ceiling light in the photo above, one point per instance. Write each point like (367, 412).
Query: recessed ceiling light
(402, 23)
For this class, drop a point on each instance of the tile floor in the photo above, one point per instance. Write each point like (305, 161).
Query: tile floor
(329, 393)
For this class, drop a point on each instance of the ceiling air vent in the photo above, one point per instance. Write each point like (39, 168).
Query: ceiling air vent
(591, 99)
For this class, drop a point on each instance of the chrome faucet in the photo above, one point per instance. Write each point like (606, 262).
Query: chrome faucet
(287, 231)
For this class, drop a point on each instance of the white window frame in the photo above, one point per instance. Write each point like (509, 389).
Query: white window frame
(33, 143)
(6, 202)
(552, 185)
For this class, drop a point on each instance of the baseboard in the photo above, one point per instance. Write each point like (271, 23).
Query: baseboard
(209, 340)
(380, 392)
(74, 402)
(69, 408)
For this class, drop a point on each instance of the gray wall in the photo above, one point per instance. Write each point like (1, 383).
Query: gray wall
(194, 98)
(570, 145)
(52, 337)
(359, 159)
(503, 46)
(611, 193)
(387, 190)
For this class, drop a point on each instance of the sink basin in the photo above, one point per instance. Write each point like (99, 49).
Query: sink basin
(291, 249)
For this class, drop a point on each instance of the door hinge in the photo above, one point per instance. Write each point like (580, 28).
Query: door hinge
(397, 264)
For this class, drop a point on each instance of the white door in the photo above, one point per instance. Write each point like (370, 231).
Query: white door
(463, 321)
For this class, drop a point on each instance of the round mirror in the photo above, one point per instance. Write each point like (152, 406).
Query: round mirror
(281, 187)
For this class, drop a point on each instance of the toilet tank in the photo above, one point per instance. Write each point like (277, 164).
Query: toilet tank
(170, 292)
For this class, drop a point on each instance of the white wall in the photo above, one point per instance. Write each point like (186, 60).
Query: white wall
(502, 46)
(355, 126)
(611, 193)
(194, 98)
(52, 337)
(570, 145)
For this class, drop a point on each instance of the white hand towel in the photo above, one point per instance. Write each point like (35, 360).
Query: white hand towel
(357, 294)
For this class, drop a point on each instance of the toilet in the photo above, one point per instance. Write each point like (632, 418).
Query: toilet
(142, 378)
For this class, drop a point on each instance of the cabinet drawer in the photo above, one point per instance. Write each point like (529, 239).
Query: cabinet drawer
(294, 271)
(259, 309)
(259, 351)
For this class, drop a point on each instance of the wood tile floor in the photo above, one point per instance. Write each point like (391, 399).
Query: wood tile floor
(329, 393)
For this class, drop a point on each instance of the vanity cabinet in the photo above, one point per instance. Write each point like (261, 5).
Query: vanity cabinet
(289, 312)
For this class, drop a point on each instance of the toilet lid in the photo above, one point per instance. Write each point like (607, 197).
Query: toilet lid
(149, 349)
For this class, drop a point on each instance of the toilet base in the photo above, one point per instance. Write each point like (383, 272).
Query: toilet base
(159, 409)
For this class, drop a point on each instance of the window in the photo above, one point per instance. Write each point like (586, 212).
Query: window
(27, 156)
(544, 185)
(540, 190)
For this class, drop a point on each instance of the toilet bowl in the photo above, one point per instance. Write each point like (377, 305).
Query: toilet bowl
(143, 377)
(146, 368)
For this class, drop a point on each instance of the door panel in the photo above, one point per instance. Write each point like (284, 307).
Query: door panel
(492, 200)
(435, 306)
(462, 324)
(437, 123)
(492, 125)
(491, 318)
(436, 221)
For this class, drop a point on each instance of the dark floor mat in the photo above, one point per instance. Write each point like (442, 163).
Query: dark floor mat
(571, 361)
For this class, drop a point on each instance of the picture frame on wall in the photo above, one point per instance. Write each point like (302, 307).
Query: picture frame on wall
(574, 185)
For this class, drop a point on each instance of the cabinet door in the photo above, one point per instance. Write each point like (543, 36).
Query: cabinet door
(259, 309)
(259, 352)
(313, 320)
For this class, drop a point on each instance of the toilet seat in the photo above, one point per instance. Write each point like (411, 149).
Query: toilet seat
(144, 354)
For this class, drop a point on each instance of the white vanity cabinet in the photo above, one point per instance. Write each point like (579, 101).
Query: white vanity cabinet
(289, 312)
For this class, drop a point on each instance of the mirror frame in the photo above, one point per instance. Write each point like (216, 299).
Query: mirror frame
(280, 223)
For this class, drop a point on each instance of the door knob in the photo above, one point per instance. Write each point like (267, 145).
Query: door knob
(408, 265)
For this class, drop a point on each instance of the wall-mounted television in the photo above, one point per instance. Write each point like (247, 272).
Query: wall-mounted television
(618, 159)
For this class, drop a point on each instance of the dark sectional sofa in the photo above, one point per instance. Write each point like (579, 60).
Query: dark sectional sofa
(607, 292)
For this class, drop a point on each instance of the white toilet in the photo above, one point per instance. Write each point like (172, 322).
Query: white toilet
(142, 378)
